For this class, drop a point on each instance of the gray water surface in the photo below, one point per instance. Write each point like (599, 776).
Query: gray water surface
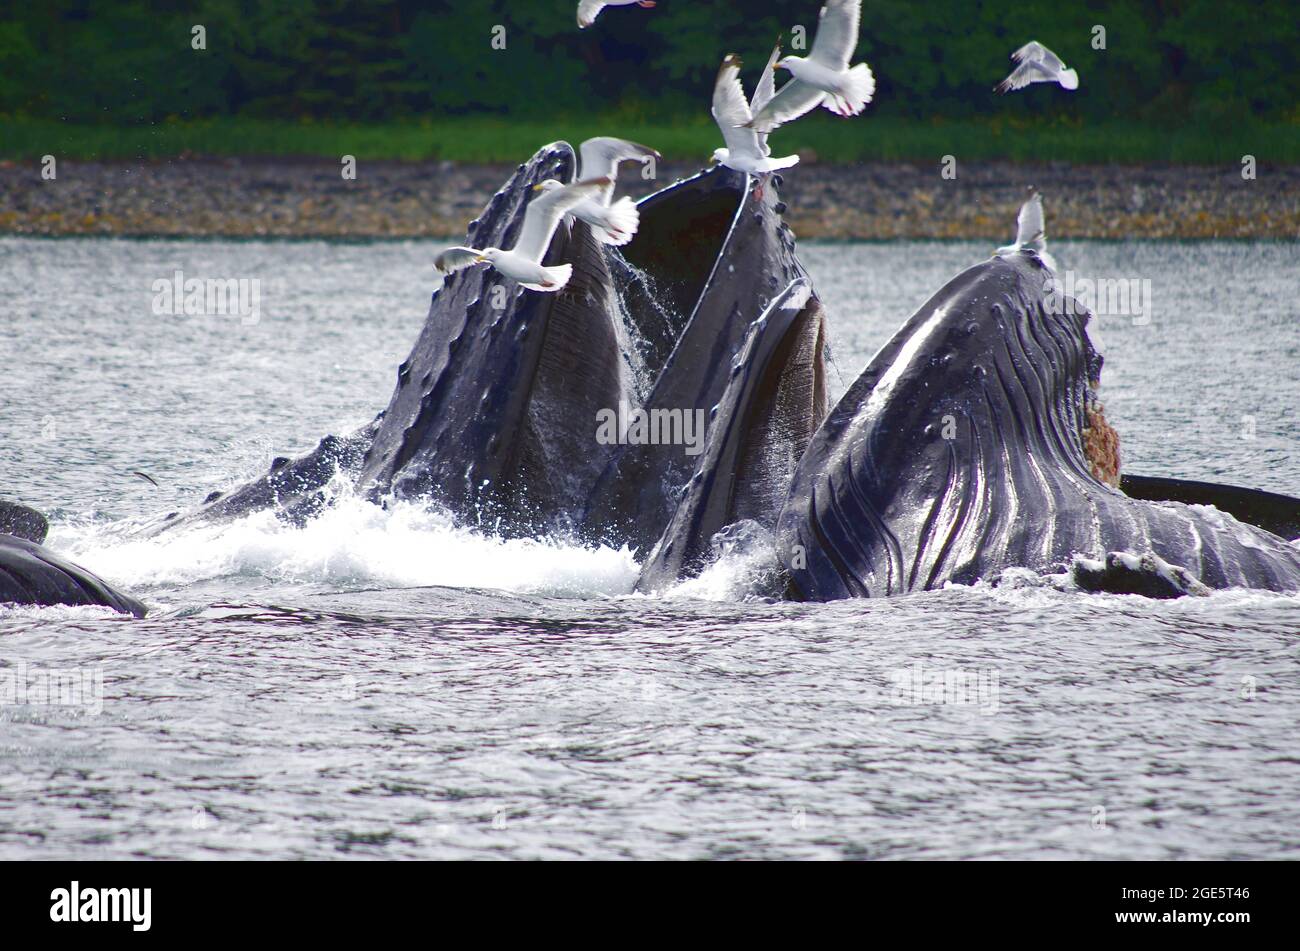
(384, 684)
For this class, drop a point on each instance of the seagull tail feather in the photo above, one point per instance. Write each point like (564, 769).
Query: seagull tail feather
(556, 277)
(774, 164)
(861, 87)
(622, 219)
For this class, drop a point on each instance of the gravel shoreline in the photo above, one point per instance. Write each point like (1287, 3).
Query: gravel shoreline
(390, 199)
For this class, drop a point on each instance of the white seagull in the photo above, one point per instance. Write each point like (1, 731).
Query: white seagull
(588, 10)
(1030, 233)
(747, 150)
(523, 262)
(1038, 64)
(612, 222)
(824, 77)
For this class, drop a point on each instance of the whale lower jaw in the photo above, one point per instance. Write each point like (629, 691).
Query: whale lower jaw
(774, 402)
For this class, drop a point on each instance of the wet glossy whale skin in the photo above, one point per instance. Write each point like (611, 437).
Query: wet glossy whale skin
(32, 574)
(959, 453)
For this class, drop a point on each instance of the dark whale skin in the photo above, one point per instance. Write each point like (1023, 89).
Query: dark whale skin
(294, 488)
(31, 574)
(1279, 514)
(1147, 576)
(23, 522)
(494, 414)
(883, 504)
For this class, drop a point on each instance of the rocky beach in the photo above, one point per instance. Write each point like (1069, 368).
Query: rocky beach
(277, 197)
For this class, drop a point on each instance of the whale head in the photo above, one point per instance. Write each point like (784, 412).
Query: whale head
(975, 441)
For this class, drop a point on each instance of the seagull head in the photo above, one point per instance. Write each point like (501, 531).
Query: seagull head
(787, 62)
(548, 186)
(719, 156)
(489, 255)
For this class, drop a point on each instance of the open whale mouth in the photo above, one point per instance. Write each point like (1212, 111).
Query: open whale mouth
(681, 235)
(497, 412)
(708, 259)
(495, 415)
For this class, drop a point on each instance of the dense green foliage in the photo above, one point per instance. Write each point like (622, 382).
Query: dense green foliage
(1213, 63)
(492, 139)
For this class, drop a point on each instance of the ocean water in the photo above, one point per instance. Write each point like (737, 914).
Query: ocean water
(382, 684)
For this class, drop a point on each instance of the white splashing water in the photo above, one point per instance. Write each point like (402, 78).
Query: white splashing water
(744, 568)
(353, 542)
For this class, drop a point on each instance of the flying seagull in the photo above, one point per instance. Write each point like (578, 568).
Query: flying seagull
(588, 10)
(612, 222)
(746, 151)
(1038, 64)
(523, 262)
(824, 77)
(1030, 233)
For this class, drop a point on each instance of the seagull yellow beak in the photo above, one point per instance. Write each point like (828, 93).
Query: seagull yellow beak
(480, 259)
(537, 188)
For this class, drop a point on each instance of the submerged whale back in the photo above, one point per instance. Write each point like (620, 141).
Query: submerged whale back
(32, 574)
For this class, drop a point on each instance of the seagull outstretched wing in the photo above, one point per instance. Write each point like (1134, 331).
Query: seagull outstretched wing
(1037, 52)
(764, 92)
(731, 111)
(544, 213)
(1030, 71)
(588, 10)
(795, 99)
(457, 259)
(837, 34)
(1029, 223)
(601, 157)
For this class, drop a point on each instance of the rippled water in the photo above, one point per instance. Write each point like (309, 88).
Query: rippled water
(382, 684)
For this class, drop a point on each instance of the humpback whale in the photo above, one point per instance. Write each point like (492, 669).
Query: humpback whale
(32, 574)
(974, 442)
